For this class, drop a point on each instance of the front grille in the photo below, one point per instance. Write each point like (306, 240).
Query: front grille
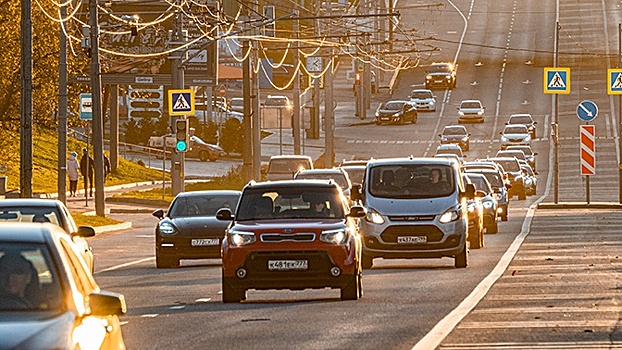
(412, 218)
(257, 263)
(296, 237)
(391, 233)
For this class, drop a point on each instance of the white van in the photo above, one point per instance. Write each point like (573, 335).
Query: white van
(416, 208)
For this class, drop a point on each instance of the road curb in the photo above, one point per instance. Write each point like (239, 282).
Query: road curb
(580, 205)
(110, 228)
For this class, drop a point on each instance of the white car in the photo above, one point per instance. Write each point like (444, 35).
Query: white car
(423, 99)
(471, 111)
(515, 135)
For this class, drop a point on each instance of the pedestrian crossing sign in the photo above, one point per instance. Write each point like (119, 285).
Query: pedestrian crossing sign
(556, 80)
(614, 81)
(181, 102)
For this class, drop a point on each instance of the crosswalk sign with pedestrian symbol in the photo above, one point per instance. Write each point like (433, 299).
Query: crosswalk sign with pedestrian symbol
(181, 102)
(556, 80)
(614, 81)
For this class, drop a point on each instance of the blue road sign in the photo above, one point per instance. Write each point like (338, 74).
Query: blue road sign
(181, 102)
(556, 80)
(587, 111)
(614, 81)
(86, 107)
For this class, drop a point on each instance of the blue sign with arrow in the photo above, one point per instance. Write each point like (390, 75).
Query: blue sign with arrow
(587, 111)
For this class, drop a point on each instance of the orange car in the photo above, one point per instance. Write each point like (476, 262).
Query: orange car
(292, 235)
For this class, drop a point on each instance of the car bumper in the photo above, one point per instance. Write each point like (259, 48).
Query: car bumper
(182, 248)
(471, 118)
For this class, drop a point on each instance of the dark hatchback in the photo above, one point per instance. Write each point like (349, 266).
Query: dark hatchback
(190, 230)
(457, 134)
(48, 296)
(396, 112)
(292, 235)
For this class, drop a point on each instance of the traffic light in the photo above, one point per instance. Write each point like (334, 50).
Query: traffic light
(182, 135)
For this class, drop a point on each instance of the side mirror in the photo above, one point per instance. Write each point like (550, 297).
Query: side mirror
(507, 123)
(355, 192)
(535, 153)
(159, 213)
(357, 212)
(501, 133)
(439, 135)
(224, 214)
(86, 231)
(480, 194)
(464, 156)
(535, 122)
(105, 303)
(536, 173)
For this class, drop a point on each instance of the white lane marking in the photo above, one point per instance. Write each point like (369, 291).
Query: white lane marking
(544, 309)
(536, 345)
(124, 265)
(586, 296)
(538, 324)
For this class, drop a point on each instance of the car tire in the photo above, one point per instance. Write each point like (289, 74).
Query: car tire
(461, 260)
(203, 156)
(504, 217)
(378, 122)
(367, 262)
(475, 240)
(166, 263)
(229, 294)
(493, 228)
(402, 121)
(351, 290)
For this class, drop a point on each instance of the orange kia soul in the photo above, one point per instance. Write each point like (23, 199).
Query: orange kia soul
(292, 235)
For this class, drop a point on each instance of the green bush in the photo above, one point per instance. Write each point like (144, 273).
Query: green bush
(232, 140)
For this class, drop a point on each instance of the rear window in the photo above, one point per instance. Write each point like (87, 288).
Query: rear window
(516, 129)
(393, 105)
(202, 205)
(520, 119)
(288, 165)
(454, 131)
(421, 95)
(471, 105)
(30, 214)
(339, 178)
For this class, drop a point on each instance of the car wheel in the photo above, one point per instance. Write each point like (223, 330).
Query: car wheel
(475, 239)
(504, 217)
(351, 290)
(229, 294)
(402, 121)
(461, 260)
(367, 262)
(203, 156)
(166, 263)
(493, 228)
(378, 122)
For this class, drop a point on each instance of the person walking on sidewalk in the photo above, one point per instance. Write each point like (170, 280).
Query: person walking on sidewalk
(73, 170)
(87, 168)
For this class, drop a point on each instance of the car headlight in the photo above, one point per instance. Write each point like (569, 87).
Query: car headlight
(428, 77)
(471, 207)
(528, 138)
(166, 228)
(461, 112)
(487, 204)
(240, 238)
(504, 139)
(464, 139)
(337, 236)
(374, 217)
(396, 115)
(480, 113)
(450, 215)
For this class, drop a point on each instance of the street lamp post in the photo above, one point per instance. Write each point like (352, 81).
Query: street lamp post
(96, 88)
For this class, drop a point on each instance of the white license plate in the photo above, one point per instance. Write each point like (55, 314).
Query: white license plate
(199, 242)
(412, 239)
(288, 264)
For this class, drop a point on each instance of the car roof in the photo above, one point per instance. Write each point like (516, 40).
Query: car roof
(412, 160)
(209, 193)
(30, 202)
(292, 183)
(520, 115)
(321, 171)
(284, 156)
(449, 146)
(462, 127)
(26, 232)
(463, 101)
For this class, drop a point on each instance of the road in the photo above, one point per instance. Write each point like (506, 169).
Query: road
(556, 291)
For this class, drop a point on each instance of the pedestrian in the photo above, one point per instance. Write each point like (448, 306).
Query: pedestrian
(107, 170)
(87, 168)
(73, 170)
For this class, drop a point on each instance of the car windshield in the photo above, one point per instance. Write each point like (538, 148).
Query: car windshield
(440, 68)
(30, 214)
(516, 129)
(493, 178)
(295, 202)
(411, 181)
(517, 154)
(206, 205)
(480, 183)
(393, 105)
(454, 131)
(509, 165)
(455, 151)
(339, 178)
(470, 105)
(38, 288)
(288, 165)
(421, 95)
(520, 119)
(355, 173)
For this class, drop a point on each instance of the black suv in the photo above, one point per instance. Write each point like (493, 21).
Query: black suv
(441, 74)
(512, 168)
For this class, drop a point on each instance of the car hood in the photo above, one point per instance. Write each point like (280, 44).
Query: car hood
(412, 207)
(36, 330)
(387, 111)
(290, 225)
(453, 137)
(199, 226)
(421, 100)
(439, 74)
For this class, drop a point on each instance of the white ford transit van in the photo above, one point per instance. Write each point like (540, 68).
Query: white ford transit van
(416, 208)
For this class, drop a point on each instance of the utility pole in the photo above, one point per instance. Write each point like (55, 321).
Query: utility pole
(620, 116)
(114, 128)
(329, 110)
(96, 90)
(25, 172)
(62, 110)
(556, 123)
(256, 98)
(177, 79)
(296, 123)
(247, 153)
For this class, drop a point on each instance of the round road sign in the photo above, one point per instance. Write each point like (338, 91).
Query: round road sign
(223, 90)
(587, 111)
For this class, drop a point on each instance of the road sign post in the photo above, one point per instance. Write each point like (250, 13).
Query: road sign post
(587, 136)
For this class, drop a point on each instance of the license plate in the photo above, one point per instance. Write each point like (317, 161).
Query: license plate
(288, 264)
(199, 242)
(412, 239)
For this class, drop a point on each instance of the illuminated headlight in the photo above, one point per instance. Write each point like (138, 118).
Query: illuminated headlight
(240, 238)
(428, 77)
(396, 115)
(461, 112)
(377, 114)
(487, 204)
(504, 139)
(464, 139)
(471, 207)
(374, 216)
(480, 113)
(528, 138)
(337, 236)
(499, 210)
(431, 103)
(166, 228)
(498, 196)
(450, 215)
